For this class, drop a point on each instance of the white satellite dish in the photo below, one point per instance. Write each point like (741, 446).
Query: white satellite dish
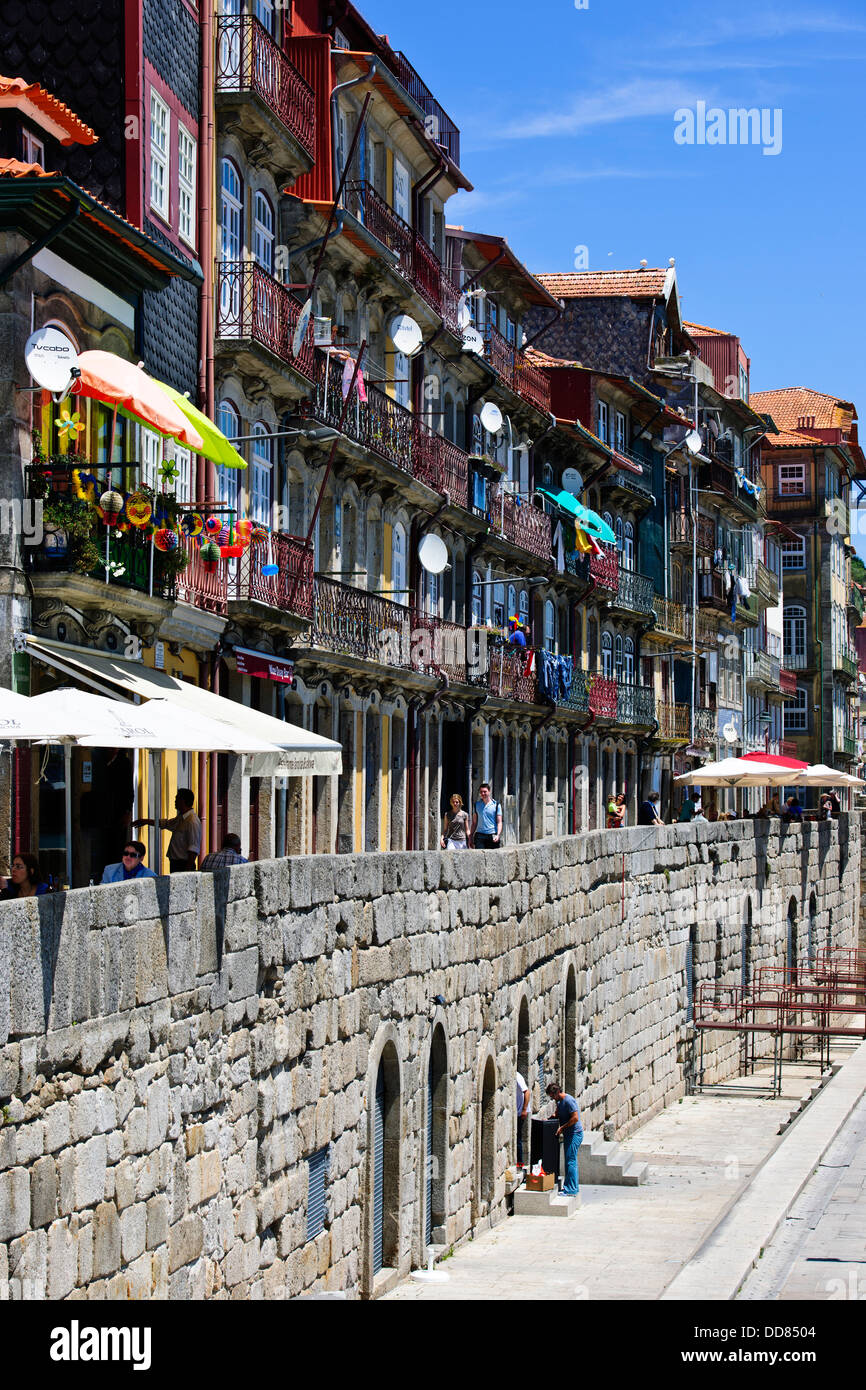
(50, 358)
(693, 442)
(572, 482)
(491, 417)
(464, 313)
(473, 341)
(301, 329)
(405, 334)
(433, 553)
(729, 732)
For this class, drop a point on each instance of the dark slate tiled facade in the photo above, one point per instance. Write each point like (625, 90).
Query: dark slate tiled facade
(75, 51)
(172, 45)
(169, 335)
(610, 334)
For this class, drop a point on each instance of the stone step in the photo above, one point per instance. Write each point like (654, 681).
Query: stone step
(605, 1162)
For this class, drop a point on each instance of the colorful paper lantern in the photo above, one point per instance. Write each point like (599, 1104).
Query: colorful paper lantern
(110, 507)
(191, 524)
(138, 509)
(243, 531)
(210, 556)
(259, 535)
(231, 552)
(213, 525)
(165, 539)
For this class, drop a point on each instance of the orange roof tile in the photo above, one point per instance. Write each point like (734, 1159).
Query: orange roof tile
(800, 408)
(544, 359)
(585, 284)
(17, 169)
(32, 99)
(789, 439)
(699, 328)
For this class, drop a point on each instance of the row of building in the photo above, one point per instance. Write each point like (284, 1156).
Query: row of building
(173, 196)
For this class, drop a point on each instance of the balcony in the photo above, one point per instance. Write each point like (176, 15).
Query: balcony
(845, 663)
(706, 726)
(800, 660)
(290, 590)
(723, 479)
(792, 503)
(507, 678)
(604, 568)
(515, 371)
(856, 602)
(521, 524)
(351, 622)
(787, 683)
(763, 584)
(634, 594)
(680, 531)
(438, 123)
(418, 262)
(635, 705)
(636, 486)
(250, 64)
(672, 619)
(762, 670)
(253, 307)
(674, 722)
(713, 593)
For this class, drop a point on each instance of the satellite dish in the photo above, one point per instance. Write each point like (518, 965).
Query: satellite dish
(713, 427)
(464, 313)
(301, 329)
(433, 554)
(729, 732)
(50, 358)
(473, 341)
(405, 334)
(693, 442)
(491, 418)
(572, 482)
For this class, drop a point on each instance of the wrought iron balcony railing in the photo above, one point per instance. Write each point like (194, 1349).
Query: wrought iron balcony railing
(845, 662)
(787, 682)
(762, 669)
(438, 123)
(290, 589)
(672, 618)
(521, 523)
(635, 704)
(763, 583)
(418, 262)
(855, 600)
(674, 722)
(604, 568)
(515, 370)
(248, 60)
(508, 675)
(680, 531)
(634, 592)
(706, 726)
(252, 305)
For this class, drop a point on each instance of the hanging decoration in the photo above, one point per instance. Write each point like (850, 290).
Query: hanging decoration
(165, 539)
(210, 556)
(84, 485)
(168, 471)
(110, 507)
(213, 525)
(191, 524)
(138, 509)
(243, 530)
(70, 427)
(259, 535)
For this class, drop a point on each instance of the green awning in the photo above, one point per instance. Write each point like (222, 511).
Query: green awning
(216, 447)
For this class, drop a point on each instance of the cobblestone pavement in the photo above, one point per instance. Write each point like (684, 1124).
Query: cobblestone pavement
(819, 1252)
(629, 1242)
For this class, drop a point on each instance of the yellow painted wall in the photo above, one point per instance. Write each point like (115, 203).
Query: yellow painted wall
(385, 784)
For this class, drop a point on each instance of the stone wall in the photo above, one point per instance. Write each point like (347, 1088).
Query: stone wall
(176, 1049)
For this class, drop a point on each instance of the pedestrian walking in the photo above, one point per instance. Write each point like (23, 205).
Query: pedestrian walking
(571, 1130)
(455, 825)
(486, 820)
(649, 811)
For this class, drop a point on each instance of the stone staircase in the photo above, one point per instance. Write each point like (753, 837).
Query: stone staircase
(602, 1161)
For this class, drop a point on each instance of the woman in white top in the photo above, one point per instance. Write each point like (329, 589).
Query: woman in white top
(455, 825)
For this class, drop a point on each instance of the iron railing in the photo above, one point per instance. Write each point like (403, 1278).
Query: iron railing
(418, 261)
(509, 676)
(706, 725)
(290, 589)
(248, 60)
(251, 304)
(672, 617)
(515, 370)
(674, 722)
(521, 523)
(438, 124)
(634, 592)
(681, 530)
(763, 583)
(604, 568)
(787, 682)
(762, 669)
(845, 662)
(635, 704)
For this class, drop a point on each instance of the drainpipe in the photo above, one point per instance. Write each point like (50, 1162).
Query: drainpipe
(534, 766)
(33, 250)
(338, 175)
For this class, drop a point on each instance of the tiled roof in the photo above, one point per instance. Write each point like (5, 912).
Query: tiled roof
(544, 359)
(701, 328)
(16, 169)
(15, 92)
(585, 284)
(789, 439)
(792, 404)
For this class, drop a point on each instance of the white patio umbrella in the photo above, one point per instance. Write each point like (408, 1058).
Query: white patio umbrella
(22, 717)
(821, 775)
(736, 772)
(156, 725)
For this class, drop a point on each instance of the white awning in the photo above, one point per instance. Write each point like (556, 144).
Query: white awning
(303, 753)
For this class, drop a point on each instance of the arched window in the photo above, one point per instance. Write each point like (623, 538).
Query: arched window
(794, 628)
(227, 478)
(448, 418)
(261, 474)
(628, 545)
(477, 600)
(398, 564)
(263, 233)
(606, 655)
(512, 603)
(498, 605)
(628, 661)
(617, 661)
(607, 516)
(432, 594)
(550, 626)
(618, 529)
(231, 244)
(547, 482)
(524, 607)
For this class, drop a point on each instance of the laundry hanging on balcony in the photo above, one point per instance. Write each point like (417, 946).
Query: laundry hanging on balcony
(346, 384)
(588, 520)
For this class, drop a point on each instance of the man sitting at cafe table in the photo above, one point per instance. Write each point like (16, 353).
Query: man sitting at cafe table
(131, 865)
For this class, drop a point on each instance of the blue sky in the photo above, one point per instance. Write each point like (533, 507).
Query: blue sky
(567, 127)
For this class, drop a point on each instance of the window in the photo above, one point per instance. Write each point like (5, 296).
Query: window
(432, 594)
(477, 602)
(792, 479)
(524, 608)
(264, 13)
(619, 534)
(151, 457)
(263, 233)
(628, 662)
(550, 626)
(186, 157)
(231, 209)
(512, 603)
(398, 563)
(317, 1201)
(262, 464)
(227, 478)
(606, 655)
(617, 659)
(628, 546)
(794, 628)
(796, 713)
(603, 422)
(498, 605)
(794, 554)
(510, 331)
(159, 159)
(744, 384)
(621, 431)
(33, 150)
(183, 484)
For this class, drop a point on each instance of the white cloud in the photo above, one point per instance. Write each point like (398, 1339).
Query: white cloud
(625, 102)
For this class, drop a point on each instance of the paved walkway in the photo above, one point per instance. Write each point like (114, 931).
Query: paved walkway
(630, 1242)
(819, 1252)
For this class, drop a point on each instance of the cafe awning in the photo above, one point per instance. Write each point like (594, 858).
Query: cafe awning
(301, 752)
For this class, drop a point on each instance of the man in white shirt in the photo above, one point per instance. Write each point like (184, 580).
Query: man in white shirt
(524, 1100)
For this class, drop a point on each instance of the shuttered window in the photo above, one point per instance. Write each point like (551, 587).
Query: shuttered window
(317, 1169)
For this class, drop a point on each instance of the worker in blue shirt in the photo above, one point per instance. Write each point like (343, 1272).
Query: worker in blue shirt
(571, 1130)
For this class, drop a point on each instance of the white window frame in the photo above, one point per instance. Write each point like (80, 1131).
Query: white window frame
(187, 159)
(792, 480)
(160, 158)
(628, 546)
(263, 232)
(621, 428)
(550, 625)
(795, 632)
(794, 559)
(606, 655)
(261, 472)
(603, 422)
(795, 713)
(398, 563)
(151, 457)
(34, 150)
(628, 661)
